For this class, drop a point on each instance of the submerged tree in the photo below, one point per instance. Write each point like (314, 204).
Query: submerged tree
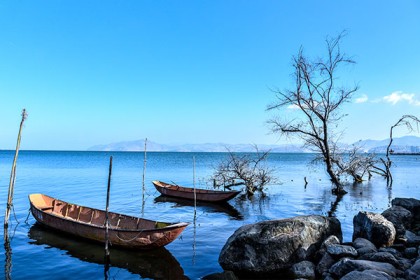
(248, 169)
(411, 123)
(317, 99)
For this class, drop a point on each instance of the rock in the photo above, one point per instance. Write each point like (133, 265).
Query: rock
(385, 257)
(400, 217)
(413, 272)
(411, 204)
(226, 275)
(340, 251)
(325, 264)
(345, 266)
(412, 239)
(416, 267)
(270, 247)
(330, 241)
(392, 251)
(367, 275)
(303, 269)
(410, 253)
(374, 227)
(364, 246)
(404, 264)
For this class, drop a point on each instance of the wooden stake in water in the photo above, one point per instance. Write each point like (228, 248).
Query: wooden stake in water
(144, 167)
(13, 173)
(106, 210)
(195, 211)
(195, 195)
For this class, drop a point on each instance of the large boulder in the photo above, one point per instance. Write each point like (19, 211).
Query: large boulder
(272, 247)
(373, 227)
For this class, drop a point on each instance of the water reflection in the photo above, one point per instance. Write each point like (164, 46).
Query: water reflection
(8, 255)
(210, 207)
(154, 264)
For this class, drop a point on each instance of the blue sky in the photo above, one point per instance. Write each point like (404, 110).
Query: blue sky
(96, 72)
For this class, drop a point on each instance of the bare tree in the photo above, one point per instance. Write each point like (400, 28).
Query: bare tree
(317, 99)
(248, 169)
(411, 123)
(355, 163)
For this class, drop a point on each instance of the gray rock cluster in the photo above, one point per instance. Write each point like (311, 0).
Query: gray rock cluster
(384, 246)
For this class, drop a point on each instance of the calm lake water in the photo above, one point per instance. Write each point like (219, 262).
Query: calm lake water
(81, 178)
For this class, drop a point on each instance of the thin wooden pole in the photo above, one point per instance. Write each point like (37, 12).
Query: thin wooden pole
(195, 195)
(144, 175)
(144, 164)
(13, 173)
(106, 210)
(195, 213)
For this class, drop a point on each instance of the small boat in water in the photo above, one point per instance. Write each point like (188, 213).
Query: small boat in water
(188, 193)
(124, 231)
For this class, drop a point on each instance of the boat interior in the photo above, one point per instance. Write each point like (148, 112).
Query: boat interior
(91, 216)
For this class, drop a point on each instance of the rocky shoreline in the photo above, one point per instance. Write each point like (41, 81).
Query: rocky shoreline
(384, 246)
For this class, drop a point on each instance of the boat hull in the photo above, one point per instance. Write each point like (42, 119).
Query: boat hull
(188, 193)
(127, 238)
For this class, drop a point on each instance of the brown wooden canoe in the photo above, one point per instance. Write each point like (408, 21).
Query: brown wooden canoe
(188, 193)
(124, 231)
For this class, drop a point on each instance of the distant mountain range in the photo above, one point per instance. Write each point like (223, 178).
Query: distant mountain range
(138, 145)
(406, 144)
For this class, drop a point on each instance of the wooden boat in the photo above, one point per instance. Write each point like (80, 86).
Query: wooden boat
(188, 193)
(124, 231)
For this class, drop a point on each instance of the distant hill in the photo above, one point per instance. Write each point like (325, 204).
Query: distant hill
(406, 144)
(138, 145)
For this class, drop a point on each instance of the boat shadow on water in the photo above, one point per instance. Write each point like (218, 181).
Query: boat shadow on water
(155, 264)
(223, 207)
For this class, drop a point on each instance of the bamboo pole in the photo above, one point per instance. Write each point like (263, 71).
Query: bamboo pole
(13, 173)
(195, 195)
(106, 210)
(195, 213)
(144, 175)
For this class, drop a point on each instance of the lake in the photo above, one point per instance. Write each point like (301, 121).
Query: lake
(81, 178)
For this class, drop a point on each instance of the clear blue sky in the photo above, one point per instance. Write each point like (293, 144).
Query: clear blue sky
(96, 72)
